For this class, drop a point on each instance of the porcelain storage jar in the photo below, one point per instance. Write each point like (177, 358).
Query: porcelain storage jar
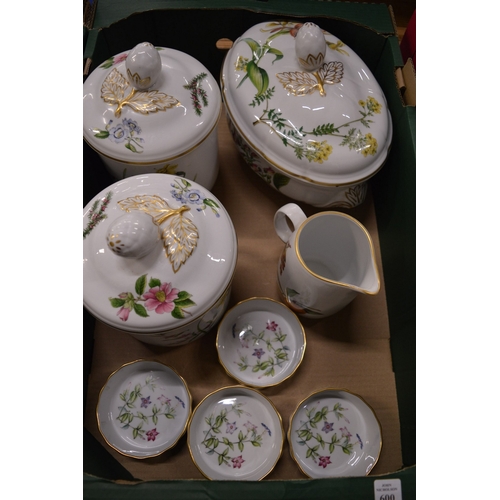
(306, 113)
(159, 254)
(153, 110)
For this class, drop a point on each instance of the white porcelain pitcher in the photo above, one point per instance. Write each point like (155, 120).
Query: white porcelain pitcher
(327, 260)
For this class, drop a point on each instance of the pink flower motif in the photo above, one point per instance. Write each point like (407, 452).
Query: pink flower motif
(271, 325)
(161, 298)
(120, 58)
(123, 313)
(345, 432)
(163, 400)
(250, 427)
(324, 461)
(152, 434)
(237, 462)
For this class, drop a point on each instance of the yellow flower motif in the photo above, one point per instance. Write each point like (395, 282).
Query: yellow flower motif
(371, 146)
(373, 105)
(362, 103)
(323, 151)
(241, 63)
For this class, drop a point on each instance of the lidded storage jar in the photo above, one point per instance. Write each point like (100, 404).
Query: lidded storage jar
(153, 110)
(159, 254)
(306, 113)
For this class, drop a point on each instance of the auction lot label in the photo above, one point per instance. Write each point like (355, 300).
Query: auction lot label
(387, 489)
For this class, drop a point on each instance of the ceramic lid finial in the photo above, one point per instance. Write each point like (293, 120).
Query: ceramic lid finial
(143, 66)
(310, 46)
(133, 235)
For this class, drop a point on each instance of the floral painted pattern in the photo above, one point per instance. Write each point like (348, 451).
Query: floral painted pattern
(108, 63)
(153, 296)
(139, 416)
(263, 170)
(322, 434)
(184, 193)
(301, 84)
(125, 133)
(258, 359)
(197, 93)
(221, 440)
(96, 214)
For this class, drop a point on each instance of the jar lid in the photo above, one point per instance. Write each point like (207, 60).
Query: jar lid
(158, 252)
(307, 103)
(148, 105)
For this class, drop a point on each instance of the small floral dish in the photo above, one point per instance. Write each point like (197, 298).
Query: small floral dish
(334, 433)
(235, 433)
(260, 342)
(143, 409)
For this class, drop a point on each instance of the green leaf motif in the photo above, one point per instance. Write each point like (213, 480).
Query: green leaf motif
(102, 134)
(258, 77)
(117, 302)
(140, 310)
(280, 180)
(140, 284)
(154, 282)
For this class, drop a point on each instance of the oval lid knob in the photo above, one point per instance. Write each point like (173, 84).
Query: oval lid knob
(143, 66)
(310, 46)
(133, 235)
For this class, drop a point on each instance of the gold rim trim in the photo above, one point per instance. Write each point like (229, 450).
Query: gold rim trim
(247, 384)
(331, 389)
(236, 387)
(280, 168)
(327, 280)
(190, 413)
(158, 162)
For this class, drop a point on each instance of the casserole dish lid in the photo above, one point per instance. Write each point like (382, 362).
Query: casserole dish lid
(158, 252)
(307, 103)
(150, 104)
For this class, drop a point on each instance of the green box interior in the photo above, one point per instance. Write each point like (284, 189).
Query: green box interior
(194, 27)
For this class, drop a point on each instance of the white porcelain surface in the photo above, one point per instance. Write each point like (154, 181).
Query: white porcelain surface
(143, 409)
(327, 260)
(180, 288)
(170, 127)
(316, 136)
(334, 433)
(260, 342)
(235, 433)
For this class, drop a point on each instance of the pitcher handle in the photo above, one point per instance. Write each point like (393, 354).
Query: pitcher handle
(287, 219)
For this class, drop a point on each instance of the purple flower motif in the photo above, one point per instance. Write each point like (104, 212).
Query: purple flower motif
(180, 401)
(360, 442)
(258, 352)
(146, 402)
(271, 325)
(119, 133)
(131, 125)
(230, 427)
(324, 461)
(267, 428)
(327, 427)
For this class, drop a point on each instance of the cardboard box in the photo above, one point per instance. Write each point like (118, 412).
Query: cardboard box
(368, 348)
